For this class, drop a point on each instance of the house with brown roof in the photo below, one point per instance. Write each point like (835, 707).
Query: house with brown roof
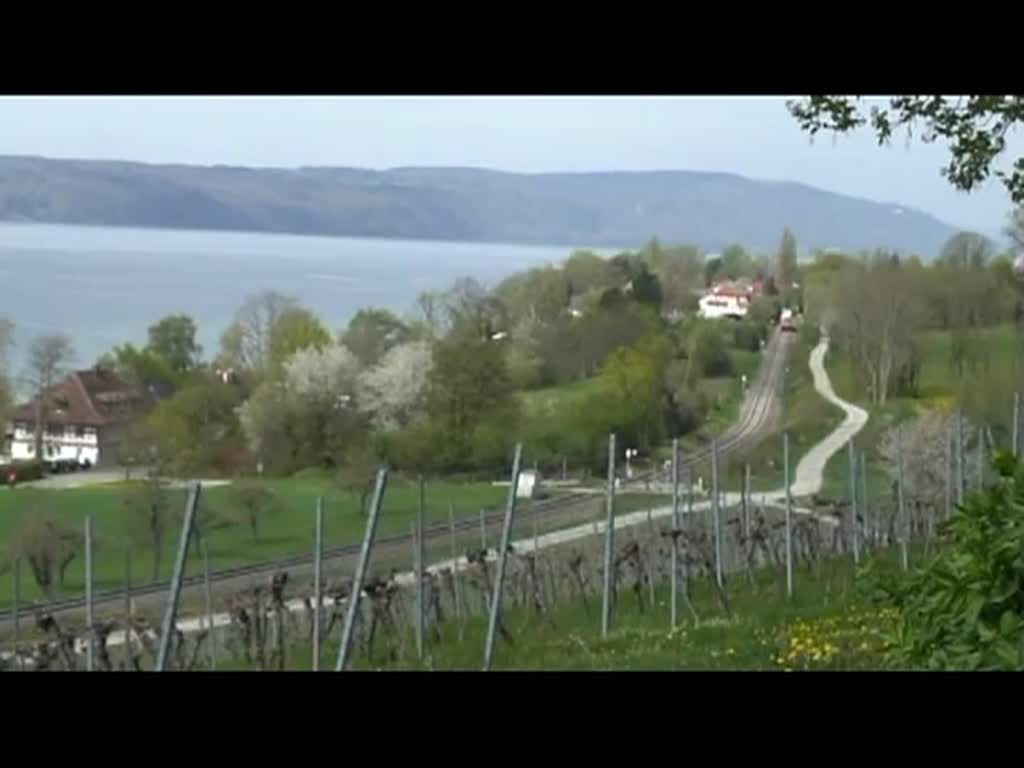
(84, 419)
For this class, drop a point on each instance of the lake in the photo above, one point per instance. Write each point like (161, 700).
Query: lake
(106, 286)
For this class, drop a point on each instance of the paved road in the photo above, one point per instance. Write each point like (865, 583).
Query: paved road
(810, 472)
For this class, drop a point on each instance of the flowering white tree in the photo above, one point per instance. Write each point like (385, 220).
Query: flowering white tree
(322, 375)
(924, 455)
(392, 391)
(304, 412)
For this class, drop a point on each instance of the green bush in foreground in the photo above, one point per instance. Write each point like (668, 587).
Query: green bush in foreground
(963, 609)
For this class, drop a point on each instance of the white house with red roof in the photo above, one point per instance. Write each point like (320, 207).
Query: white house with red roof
(727, 299)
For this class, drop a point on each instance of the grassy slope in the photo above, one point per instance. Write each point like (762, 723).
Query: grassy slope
(827, 625)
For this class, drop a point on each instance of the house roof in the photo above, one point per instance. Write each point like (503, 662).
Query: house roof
(96, 397)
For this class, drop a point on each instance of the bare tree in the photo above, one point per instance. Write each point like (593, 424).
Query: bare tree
(48, 358)
(1015, 229)
(877, 315)
(48, 545)
(150, 516)
(254, 502)
(247, 340)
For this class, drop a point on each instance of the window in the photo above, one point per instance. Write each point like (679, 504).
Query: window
(54, 430)
(79, 431)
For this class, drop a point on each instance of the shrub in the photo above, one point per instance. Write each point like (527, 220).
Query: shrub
(26, 470)
(963, 609)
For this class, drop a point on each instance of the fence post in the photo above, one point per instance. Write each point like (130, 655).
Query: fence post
(421, 608)
(17, 608)
(674, 611)
(1015, 431)
(318, 555)
(853, 504)
(904, 523)
(171, 611)
(345, 649)
(455, 569)
(981, 457)
(209, 602)
(949, 470)
(960, 474)
(90, 650)
(129, 652)
(609, 541)
(483, 530)
(864, 495)
(499, 580)
(789, 526)
(717, 511)
(746, 500)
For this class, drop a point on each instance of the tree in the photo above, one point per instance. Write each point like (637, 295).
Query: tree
(976, 128)
(963, 297)
(539, 295)
(1015, 230)
(736, 262)
(707, 353)
(372, 332)
(471, 310)
(254, 502)
(631, 381)
(786, 264)
(174, 339)
(392, 391)
(142, 367)
(308, 413)
(246, 342)
(878, 314)
(296, 329)
(586, 271)
(48, 358)
(49, 545)
(646, 288)
(148, 506)
(469, 394)
(191, 428)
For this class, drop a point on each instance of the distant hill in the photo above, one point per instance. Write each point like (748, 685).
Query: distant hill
(609, 209)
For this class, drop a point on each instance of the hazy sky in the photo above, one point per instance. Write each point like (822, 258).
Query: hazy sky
(754, 137)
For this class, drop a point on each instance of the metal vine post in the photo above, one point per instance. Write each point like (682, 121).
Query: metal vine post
(345, 649)
(904, 522)
(609, 541)
(499, 580)
(90, 650)
(318, 555)
(789, 517)
(675, 528)
(717, 512)
(171, 611)
(853, 504)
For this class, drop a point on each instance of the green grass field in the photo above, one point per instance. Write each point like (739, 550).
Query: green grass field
(285, 530)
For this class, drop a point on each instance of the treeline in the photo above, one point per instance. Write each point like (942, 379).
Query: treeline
(441, 390)
(880, 305)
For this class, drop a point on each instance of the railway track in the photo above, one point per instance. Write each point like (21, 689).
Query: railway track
(754, 414)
